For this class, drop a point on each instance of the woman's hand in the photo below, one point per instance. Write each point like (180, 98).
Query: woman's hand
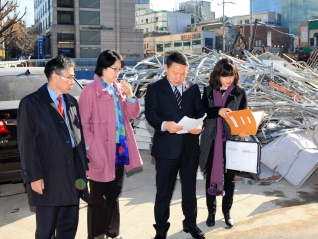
(126, 88)
(243, 135)
(224, 112)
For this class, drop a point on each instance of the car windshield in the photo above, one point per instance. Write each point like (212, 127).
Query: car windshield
(16, 87)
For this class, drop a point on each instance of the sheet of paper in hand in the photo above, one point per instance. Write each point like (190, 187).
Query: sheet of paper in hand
(189, 123)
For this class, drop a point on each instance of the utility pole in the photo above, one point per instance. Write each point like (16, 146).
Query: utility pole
(223, 23)
(251, 28)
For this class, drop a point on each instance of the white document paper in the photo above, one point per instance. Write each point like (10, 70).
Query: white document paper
(189, 123)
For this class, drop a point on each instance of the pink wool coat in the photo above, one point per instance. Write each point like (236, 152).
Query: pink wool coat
(97, 110)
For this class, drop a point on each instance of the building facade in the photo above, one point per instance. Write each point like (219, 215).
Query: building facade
(200, 10)
(188, 42)
(265, 17)
(308, 34)
(85, 28)
(266, 6)
(162, 21)
(295, 12)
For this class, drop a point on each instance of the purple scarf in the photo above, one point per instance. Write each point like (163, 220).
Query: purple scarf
(216, 181)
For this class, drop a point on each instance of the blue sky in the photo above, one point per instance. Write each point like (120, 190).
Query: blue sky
(241, 7)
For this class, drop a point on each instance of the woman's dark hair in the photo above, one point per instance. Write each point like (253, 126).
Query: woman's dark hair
(177, 57)
(224, 67)
(106, 59)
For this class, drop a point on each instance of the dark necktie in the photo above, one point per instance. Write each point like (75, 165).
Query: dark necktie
(178, 96)
(60, 106)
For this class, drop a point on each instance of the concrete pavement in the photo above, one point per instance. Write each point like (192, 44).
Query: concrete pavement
(278, 210)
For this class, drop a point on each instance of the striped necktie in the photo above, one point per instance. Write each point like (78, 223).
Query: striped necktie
(178, 96)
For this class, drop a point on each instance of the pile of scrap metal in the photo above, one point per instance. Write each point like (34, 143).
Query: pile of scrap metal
(286, 90)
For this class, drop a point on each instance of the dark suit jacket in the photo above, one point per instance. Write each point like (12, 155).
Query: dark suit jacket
(161, 105)
(46, 149)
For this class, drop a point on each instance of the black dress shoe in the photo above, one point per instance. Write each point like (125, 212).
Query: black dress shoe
(228, 220)
(160, 236)
(210, 221)
(195, 232)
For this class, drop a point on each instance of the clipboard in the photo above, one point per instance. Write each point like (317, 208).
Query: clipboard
(245, 120)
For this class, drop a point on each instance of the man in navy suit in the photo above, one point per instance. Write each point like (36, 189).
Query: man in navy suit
(167, 101)
(53, 154)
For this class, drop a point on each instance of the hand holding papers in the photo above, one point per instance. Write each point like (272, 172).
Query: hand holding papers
(189, 123)
(245, 120)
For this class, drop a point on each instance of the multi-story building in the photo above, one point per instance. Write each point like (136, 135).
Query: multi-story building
(188, 42)
(85, 28)
(295, 12)
(162, 21)
(265, 17)
(266, 6)
(200, 10)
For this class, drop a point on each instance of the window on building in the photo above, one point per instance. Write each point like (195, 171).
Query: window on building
(209, 43)
(90, 37)
(278, 44)
(65, 37)
(65, 3)
(159, 47)
(89, 4)
(157, 19)
(89, 17)
(145, 46)
(65, 17)
(240, 22)
(247, 21)
(258, 43)
(146, 20)
(168, 46)
(196, 44)
(186, 45)
(146, 29)
(157, 28)
(177, 45)
(312, 41)
(89, 52)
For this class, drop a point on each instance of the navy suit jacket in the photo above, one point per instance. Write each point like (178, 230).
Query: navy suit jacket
(46, 149)
(161, 105)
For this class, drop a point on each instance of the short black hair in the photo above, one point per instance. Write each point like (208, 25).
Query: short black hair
(177, 57)
(57, 65)
(224, 67)
(106, 59)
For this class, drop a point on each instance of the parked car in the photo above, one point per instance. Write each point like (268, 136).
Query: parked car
(15, 83)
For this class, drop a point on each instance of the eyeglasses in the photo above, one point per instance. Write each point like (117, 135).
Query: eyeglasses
(67, 77)
(119, 70)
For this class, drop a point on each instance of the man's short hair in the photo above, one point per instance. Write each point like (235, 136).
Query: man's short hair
(177, 57)
(58, 65)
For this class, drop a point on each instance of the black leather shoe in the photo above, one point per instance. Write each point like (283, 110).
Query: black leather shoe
(210, 221)
(228, 220)
(195, 232)
(160, 236)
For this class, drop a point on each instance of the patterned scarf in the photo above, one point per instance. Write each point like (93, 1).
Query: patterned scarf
(122, 155)
(216, 181)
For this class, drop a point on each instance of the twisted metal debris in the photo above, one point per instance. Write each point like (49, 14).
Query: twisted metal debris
(284, 89)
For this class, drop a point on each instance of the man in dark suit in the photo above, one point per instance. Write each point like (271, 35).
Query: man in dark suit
(52, 149)
(167, 101)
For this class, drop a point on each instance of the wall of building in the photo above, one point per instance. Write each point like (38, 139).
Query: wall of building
(266, 17)
(189, 42)
(178, 22)
(295, 12)
(85, 28)
(266, 6)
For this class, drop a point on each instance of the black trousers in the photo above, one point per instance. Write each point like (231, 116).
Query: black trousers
(103, 213)
(167, 170)
(229, 185)
(60, 221)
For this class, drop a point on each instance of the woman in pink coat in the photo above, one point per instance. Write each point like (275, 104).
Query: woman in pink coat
(106, 108)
